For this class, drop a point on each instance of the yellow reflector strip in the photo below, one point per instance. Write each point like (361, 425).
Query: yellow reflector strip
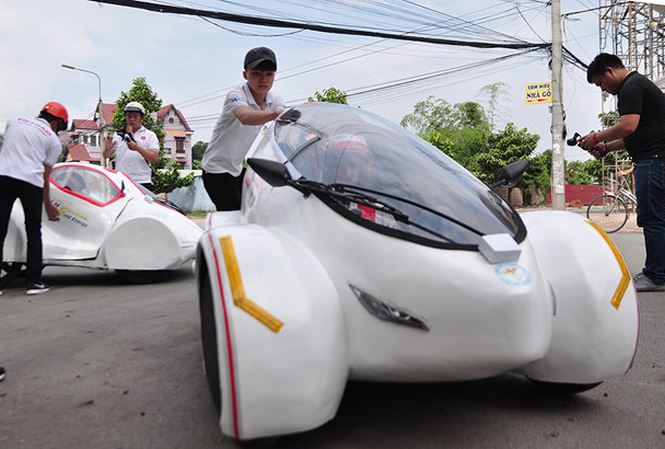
(238, 291)
(625, 273)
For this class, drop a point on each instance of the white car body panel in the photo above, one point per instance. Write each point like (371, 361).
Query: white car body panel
(127, 231)
(547, 314)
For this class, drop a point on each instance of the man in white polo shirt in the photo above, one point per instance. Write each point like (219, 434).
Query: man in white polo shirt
(136, 147)
(29, 151)
(246, 108)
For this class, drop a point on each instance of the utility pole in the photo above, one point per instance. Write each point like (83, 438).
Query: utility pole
(100, 113)
(557, 172)
(102, 133)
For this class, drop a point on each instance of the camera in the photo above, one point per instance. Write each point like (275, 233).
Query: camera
(124, 135)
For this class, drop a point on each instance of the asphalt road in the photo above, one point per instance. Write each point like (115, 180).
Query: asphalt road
(97, 363)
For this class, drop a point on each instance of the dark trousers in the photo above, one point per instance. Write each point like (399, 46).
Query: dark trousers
(31, 200)
(224, 189)
(650, 192)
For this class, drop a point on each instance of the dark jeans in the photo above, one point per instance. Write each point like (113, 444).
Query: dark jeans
(224, 189)
(31, 200)
(650, 192)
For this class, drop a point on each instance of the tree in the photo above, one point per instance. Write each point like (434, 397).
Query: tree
(198, 149)
(463, 132)
(583, 172)
(494, 93)
(165, 175)
(330, 95)
(538, 173)
(504, 147)
(608, 119)
(143, 93)
(429, 115)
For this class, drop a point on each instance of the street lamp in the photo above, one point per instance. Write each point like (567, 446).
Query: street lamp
(100, 115)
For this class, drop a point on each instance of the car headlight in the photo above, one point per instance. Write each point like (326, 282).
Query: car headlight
(386, 311)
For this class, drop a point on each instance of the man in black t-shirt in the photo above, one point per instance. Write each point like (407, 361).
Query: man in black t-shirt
(641, 131)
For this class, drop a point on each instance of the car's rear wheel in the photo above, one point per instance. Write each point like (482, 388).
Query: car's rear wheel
(560, 388)
(209, 341)
(138, 277)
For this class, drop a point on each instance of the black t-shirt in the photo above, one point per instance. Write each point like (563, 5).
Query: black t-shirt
(638, 95)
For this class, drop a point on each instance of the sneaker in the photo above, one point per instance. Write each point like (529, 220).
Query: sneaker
(35, 288)
(2, 373)
(644, 284)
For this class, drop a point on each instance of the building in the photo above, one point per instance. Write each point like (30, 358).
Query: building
(83, 140)
(177, 135)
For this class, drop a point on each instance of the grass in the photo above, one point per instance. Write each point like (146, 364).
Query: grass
(198, 213)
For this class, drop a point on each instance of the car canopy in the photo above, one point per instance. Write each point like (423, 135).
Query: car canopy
(338, 144)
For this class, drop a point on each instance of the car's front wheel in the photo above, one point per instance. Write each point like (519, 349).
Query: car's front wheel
(209, 341)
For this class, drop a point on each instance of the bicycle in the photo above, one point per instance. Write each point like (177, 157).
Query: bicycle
(610, 210)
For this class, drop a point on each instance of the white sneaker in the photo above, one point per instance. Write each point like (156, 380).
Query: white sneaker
(35, 288)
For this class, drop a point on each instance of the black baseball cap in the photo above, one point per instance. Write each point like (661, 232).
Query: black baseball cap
(259, 56)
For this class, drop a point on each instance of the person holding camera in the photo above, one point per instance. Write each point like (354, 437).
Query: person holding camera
(29, 151)
(640, 131)
(246, 108)
(135, 147)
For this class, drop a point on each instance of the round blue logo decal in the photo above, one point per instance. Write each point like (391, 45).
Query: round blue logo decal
(512, 274)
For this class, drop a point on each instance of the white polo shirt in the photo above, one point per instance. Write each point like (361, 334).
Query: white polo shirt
(132, 163)
(231, 139)
(29, 144)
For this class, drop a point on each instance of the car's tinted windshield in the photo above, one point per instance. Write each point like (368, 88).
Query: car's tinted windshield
(340, 144)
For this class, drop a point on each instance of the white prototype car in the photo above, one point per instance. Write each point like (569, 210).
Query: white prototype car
(362, 252)
(106, 222)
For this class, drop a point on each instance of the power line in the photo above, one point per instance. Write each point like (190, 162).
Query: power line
(221, 92)
(238, 18)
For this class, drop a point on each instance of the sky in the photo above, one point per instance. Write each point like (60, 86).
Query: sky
(192, 62)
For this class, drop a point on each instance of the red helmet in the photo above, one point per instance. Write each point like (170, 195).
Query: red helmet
(56, 110)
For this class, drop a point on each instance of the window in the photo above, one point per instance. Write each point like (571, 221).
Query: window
(93, 140)
(84, 182)
(179, 144)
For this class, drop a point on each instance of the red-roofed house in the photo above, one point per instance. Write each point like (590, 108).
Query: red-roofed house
(84, 137)
(79, 152)
(177, 135)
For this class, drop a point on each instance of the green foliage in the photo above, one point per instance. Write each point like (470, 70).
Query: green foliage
(165, 175)
(330, 95)
(583, 172)
(494, 94)
(463, 144)
(198, 149)
(143, 93)
(608, 119)
(538, 173)
(64, 152)
(196, 165)
(429, 115)
(504, 147)
(463, 132)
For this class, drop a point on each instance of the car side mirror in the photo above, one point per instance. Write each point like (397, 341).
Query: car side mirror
(274, 173)
(511, 174)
